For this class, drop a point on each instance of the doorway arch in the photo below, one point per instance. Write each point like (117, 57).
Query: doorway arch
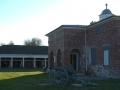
(75, 59)
(51, 59)
(59, 59)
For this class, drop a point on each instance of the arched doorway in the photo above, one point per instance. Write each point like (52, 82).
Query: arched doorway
(59, 62)
(75, 59)
(51, 59)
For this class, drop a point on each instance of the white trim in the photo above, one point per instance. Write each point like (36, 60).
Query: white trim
(22, 55)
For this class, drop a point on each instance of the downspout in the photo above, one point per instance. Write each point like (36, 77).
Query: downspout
(85, 52)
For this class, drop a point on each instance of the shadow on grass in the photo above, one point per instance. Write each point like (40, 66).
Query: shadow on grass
(28, 82)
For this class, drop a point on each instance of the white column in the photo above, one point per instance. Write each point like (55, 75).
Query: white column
(45, 62)
(34, 63)
(0, 62)
(23, 63)
(11, 63)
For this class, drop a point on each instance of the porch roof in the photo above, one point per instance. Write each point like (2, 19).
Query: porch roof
(21, 49)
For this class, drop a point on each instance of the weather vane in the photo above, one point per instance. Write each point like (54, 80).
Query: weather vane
(106, 5)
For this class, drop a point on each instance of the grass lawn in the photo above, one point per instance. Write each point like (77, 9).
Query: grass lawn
(30, 79)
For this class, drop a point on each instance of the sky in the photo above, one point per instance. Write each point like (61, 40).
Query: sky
(25, 19)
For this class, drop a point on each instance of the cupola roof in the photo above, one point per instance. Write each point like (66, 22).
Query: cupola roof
(106, 11)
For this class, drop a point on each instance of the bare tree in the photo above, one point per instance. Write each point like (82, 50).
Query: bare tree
(33, 42)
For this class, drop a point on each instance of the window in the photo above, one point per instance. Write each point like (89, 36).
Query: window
(106, 54)
(93, 56)
(106, 57)
(55, 36)
(98, 28)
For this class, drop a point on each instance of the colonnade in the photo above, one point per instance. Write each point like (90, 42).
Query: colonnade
(23, 62)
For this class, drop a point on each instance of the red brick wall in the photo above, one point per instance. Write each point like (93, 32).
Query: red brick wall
(68, 39)
(73, 39)
(107, 35)
(56, 42)
(117, 47)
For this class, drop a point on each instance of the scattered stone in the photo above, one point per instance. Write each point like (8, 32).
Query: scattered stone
(77, 85)
(45, 84)
(94, 84)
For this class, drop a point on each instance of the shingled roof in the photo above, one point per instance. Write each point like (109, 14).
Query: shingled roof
(66, 26)
(21, 49)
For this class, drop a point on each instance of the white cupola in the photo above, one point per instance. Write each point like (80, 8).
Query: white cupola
(105, 13)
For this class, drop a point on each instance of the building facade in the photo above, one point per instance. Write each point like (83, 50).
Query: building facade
(16, 56)
(93, 47)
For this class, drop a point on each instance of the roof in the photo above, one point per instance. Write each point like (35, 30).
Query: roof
(66, 26)
(21, 49)
(106, 11)
(112, 17)
(73, 26)
(84, 26)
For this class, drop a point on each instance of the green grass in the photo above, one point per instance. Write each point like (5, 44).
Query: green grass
(30, 79)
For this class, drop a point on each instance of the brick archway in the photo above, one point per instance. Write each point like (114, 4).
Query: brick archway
(59, 62)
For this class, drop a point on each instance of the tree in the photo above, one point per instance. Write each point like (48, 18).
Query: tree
(1, 44)
(11, 43)
(33, 42)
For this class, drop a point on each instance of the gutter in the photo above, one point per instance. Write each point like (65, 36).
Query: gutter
(85, 52)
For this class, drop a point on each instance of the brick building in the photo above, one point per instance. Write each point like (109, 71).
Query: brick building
(88, 47)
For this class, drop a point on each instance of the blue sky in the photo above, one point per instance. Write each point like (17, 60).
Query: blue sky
(25, 19)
